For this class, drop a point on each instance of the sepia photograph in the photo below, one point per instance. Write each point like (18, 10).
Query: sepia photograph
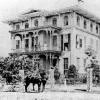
(49, 49)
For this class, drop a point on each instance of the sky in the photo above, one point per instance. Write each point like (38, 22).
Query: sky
(10, 9)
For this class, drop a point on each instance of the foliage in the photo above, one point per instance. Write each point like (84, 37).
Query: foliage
(92, 55)
(14, 64)
(90, 51)
(72, 72)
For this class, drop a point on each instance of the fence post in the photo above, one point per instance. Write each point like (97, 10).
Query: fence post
(89, 79)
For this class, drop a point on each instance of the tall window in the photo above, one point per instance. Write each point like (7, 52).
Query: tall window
(67, 42)
(78, 41)
(17, 27)
(54, 41)
(32, 42)
(26, 25)
(36, 43)
(54, 21)
(17, 44)
(61, 42)
(26, 43)
(78, 20)
(66, 20)
(36, 40)
(85, 24)
(36, 22)
(65, 66)
(91, 27)
(78, 63)
(97, 29)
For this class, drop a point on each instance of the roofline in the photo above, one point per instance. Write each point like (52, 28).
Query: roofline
(76, 9)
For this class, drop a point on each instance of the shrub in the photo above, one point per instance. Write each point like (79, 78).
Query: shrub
(72, 72)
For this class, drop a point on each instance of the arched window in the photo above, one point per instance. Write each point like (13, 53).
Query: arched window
(17, 27)
(97, 29)
(18, 42)
(26, 43)
(66, 20)
(32, 42)
(91, 27)
(36, 22)
(55, 41)
(26, 25)
(36, 40)
(54, 21)
(78, 20)
(85, 24)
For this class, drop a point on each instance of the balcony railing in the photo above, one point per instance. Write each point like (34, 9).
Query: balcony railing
(35, 28)
(36, 48)
(44, 48)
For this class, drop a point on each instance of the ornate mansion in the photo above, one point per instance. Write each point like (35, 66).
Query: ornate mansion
(57, 38)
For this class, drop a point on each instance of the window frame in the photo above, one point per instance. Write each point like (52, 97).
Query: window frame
(91, 26)
(17, 44)
(26, 43)
(54, 21)
(54, 40)
(79, 41)
(66, 20)
(36, 23)
(78, 20)
(85, 24)
(26, 25)
(67, 43)
(97, 29)
(32, 42)
(66, 68)
(17, 27)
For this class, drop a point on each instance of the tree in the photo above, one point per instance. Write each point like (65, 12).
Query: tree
(90, 52)
(91, 55)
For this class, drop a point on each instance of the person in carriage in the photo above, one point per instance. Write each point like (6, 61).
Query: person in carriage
(38, 77)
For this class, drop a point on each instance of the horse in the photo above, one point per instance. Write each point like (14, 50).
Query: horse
(36, 80)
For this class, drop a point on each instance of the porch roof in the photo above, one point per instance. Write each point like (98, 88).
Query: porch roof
(37, 52)
(36, 28)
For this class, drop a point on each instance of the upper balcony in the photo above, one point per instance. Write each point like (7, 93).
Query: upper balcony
(37, 49)
(35, 28)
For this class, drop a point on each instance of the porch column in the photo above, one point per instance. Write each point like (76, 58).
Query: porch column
(58, 62)
(50, 60)
(51, 40)
(30, 43)
(57, 43)
(89, 79)
(46, 62)
(33, 48)
(46, 40)
(23, 44)
(13, 43)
